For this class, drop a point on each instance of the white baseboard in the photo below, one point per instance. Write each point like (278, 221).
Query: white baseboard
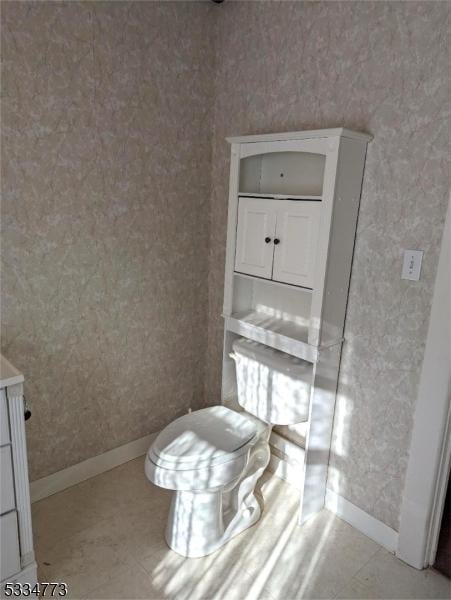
(56, 482)
(355, 516)
(359, 519)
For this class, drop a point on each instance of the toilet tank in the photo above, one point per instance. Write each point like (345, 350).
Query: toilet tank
(272, 385)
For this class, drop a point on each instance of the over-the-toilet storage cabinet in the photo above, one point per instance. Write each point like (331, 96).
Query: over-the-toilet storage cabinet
(17, 560)
(293, 206)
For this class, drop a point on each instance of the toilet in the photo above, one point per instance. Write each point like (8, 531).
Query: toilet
(212, 458)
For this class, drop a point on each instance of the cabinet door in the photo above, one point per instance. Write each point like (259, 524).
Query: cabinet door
(7, 500)
(296, 241)
(9, 546)
(255, 236)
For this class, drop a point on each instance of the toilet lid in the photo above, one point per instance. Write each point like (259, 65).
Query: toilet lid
(204, 437)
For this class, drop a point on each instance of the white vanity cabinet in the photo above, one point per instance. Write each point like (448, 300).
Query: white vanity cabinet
(292, 216)
(17, 560)
(277, 239)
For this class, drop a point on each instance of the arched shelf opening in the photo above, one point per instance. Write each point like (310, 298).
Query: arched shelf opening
(292, 174)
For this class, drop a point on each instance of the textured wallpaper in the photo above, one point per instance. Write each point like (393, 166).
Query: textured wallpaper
(379, 67)
(106, 178)
(114, 208)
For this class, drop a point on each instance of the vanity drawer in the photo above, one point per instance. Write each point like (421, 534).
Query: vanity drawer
(7, 500)
(9, 545)
(4, 420)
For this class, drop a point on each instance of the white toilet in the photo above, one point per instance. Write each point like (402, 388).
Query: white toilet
(212, 458)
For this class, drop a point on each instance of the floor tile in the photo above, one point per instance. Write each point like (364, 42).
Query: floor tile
(127, 583)
(125, 489)
(120, 491)
(105, 538)
(315, 560)
(310, 561)
(63, 514)
(386, 577)
(219, 575)
(143, 531)
(85, 560)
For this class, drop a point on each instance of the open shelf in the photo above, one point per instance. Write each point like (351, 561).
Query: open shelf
(280, 196)
(283, 335)
(282, 174)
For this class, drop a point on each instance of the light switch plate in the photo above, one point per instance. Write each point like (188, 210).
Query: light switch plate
(411, 266)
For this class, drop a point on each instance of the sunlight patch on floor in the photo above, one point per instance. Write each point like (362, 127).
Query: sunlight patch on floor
(105, 537)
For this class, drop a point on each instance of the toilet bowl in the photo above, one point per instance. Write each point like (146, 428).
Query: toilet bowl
(212, 459)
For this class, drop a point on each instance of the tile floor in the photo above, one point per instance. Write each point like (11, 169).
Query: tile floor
(104, 537)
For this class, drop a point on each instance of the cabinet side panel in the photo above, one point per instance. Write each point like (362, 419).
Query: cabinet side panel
(231, 228)
(331, 148)
(322, 405)
(341, 247)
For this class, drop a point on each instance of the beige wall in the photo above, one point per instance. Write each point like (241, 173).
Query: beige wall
(378, 67)
(108, 121)
(106, 179)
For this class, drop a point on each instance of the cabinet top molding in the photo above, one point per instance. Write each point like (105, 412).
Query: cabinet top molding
(301, 135)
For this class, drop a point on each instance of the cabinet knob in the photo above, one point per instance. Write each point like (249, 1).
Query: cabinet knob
(26, 410)
(276, 241)
(267, 240)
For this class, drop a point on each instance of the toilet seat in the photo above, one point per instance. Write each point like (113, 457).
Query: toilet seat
(203, 439)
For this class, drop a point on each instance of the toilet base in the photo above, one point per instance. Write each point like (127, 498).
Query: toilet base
(201, 522)
(196, 525)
